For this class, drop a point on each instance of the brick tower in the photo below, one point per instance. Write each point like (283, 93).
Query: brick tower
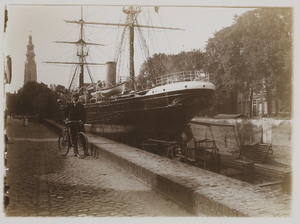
(30, 65)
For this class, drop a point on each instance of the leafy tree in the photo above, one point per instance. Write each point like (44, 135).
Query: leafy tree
(61, 89)
(253, 54)
(11, 100)
(225, 64)
(36, 98)
(161, 64)
(267, 48)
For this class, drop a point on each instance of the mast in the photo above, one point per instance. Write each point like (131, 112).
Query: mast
(80, 53)
(81, 56)
(131, 50)
(132, 13)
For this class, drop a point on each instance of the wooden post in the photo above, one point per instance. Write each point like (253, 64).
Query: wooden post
(287, 182)
(248, 172)
(236, 138)
(204, 158)
(184, 145)
(262, 132)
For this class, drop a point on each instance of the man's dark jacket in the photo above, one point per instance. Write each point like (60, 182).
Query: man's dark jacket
(75, 111)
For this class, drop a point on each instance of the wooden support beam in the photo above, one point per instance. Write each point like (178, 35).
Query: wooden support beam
(269, 184)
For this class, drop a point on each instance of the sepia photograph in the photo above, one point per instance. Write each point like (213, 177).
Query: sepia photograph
(182, 111)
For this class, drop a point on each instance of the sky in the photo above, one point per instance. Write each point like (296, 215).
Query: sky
(46, 24)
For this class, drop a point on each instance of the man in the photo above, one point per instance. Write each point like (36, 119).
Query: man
(75, 112)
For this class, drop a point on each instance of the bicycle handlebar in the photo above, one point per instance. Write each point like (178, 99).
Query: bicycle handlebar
(72, 122)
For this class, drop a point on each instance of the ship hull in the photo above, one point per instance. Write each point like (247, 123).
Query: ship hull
(147, 114)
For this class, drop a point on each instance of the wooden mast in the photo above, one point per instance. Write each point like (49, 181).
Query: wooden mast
(131, 12)
(81, 55)
(131, 50)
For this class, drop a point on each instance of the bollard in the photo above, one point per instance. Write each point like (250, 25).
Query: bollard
(26, 121)
(22, 121)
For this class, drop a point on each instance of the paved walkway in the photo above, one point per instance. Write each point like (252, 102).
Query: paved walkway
(45, 184)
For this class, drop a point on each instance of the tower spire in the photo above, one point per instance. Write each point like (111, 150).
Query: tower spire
(30, 65)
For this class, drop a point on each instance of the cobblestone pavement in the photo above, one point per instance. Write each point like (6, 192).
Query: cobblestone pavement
(45, 184)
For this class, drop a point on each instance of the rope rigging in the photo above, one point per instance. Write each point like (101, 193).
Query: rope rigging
(90, 74)
(118, 58)
(131, 21)
(144, 44)
(71, 83)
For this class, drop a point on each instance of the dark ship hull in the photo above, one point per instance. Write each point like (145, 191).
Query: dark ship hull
(163, 109)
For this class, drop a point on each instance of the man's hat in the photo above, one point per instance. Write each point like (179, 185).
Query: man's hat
(76, 95)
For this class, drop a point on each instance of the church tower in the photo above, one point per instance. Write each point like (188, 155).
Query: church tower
(30, 65)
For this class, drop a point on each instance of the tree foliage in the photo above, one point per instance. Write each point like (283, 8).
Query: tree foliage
(161, 64)
(35, 98)
(253, 54)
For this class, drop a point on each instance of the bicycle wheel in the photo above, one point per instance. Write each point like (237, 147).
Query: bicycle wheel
(81, 145)
(63, 143)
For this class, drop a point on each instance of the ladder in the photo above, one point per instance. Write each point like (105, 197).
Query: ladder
(260, 154)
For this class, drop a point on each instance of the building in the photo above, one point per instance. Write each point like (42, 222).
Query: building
(260, 106)
(30, 64)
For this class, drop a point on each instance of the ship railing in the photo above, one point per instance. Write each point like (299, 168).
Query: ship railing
(182, 77)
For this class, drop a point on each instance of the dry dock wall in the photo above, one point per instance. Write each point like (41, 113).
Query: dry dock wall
(199, 191)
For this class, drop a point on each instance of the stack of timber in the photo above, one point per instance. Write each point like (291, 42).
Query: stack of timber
(275, 171)
(271, 170)
(235, 163)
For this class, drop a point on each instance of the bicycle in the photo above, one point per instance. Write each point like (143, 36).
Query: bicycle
(65, 141)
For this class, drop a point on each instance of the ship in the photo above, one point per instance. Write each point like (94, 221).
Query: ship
(159, 111)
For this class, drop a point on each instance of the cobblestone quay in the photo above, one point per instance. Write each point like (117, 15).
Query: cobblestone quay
(199, 191)
(45, 184)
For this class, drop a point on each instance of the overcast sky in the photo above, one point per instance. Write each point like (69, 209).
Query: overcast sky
(46, 24)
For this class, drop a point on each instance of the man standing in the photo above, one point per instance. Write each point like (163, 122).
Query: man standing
(75, 112)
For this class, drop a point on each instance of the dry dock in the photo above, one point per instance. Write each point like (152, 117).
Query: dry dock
(199, 191)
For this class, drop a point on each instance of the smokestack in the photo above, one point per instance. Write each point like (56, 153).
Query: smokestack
(111, 72)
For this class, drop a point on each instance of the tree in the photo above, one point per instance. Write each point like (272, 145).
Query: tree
(11, 101)
(253, 54)
(161, 64)
(61, 89)
(226, 65)
(36, 98)
(267, 42)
